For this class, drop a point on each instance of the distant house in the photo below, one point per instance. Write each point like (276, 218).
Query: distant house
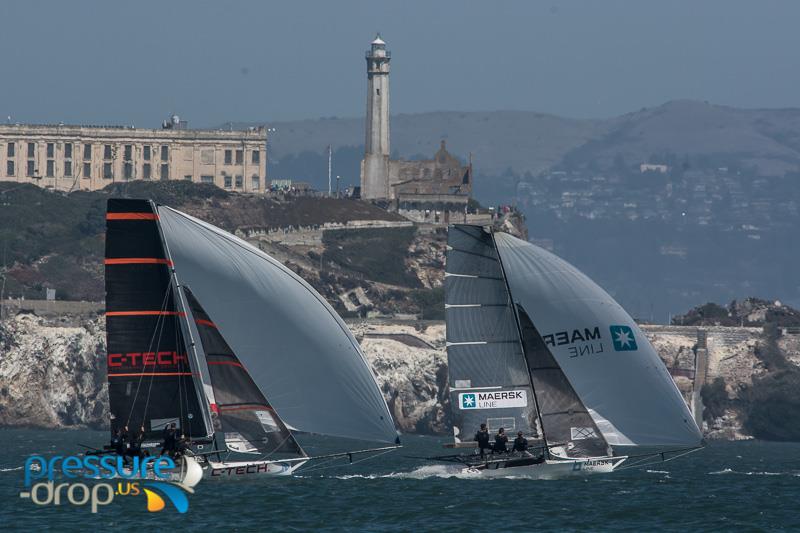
(647, 167)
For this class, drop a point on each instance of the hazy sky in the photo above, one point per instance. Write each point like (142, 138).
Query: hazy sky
(134, 62)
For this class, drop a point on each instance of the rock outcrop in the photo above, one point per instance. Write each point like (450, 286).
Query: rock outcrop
(52, 372)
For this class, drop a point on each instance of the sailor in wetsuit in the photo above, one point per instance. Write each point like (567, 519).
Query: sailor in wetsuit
(170, 436)
(482, 438)
(500, 441)
(135, 449)
(520, 443)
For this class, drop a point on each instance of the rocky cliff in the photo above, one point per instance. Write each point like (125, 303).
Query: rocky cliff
(52, 372)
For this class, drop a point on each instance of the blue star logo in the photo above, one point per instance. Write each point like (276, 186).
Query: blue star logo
(468, 401)
(623, 339)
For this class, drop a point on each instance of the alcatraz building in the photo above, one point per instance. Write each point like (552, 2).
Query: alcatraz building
(66, 157)
(420, 190)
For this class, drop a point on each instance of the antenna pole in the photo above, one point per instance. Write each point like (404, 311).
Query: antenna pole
(329, 170)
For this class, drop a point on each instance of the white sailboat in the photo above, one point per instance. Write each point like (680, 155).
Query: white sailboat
(535, 346)
(203, 329)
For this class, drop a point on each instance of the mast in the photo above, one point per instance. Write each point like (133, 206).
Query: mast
(183, 320)
(521, 343)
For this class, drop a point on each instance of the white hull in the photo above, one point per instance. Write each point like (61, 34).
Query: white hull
(250, 469)
(552, 469)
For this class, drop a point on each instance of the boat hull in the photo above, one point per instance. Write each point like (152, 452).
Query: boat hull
(249, 469)
(550, 469)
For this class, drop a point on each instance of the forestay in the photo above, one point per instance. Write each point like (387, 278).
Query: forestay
(296, 348)
(604, 355)
(489, 381)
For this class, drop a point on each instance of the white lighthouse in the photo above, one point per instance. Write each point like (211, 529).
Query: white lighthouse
(375, 169)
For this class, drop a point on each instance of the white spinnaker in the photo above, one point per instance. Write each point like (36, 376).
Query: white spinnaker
(293, 344)
(629, 393)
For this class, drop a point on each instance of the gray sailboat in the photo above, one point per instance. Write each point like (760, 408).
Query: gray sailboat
(534, 346)
(210, 334)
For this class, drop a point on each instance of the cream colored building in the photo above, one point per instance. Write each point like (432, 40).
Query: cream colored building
(70, 158)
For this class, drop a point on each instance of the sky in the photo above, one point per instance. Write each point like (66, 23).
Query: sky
(136, 62)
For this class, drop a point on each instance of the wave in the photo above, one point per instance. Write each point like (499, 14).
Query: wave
(657, 471)
(755, 473)
(11, 469)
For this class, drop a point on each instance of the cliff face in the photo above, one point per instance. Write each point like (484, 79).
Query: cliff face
(52, 373)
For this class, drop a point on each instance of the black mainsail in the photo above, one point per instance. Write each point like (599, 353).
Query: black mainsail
(150, 375)
(488, 375)
(240, 411)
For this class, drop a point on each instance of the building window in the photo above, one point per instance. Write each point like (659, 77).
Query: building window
(379, 91)
(29, 170)
(107, 151)
(228, 182)
(107, 172)
(207, 157)
(51, 149)
(31, 149)
(128, 170)
(239, 157)
(68, 168)
(87, 170)
(67, 150)
(11, 149)
(239, 182)
(128, 152)
(188, 177)
(146, 171)
(164, 152)
(87, 152)
(255, 183)
(164, 172)
(256, 157)
(206, 179)
(146, 153)
(9, 168)
(51, 168)
(228, 157)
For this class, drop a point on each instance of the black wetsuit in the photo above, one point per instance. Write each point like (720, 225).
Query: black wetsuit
(482, 438)
(169, 441)
(500, 442)
(520, 444)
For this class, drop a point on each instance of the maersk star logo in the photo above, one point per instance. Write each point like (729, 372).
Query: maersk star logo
(468, 401)
(623, 338)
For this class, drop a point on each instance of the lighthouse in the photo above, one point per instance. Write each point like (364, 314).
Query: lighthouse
(375, 169)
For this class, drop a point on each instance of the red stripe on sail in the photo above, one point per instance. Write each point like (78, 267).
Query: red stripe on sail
(138, 261)
(206, 323)
(131, 216)
(145, 313)
(232, 363)
(248, 407)
(152, 374)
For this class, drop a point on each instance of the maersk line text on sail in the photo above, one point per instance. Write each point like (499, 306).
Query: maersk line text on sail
(586, 336)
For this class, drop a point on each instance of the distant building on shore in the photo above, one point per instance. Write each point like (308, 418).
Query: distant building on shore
(418, 189)
(68, 157)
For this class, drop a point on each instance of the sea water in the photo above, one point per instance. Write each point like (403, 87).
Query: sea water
(748, 485)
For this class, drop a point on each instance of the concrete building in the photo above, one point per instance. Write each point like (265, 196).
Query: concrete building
(66, 157)
(419, 189)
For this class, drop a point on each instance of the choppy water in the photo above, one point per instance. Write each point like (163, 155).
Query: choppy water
(745, 485)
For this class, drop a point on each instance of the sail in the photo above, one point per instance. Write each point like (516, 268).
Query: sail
(241, 412)
(294, 345)
(566, 421)
(603, 354)
(488, 378)
(150, 377)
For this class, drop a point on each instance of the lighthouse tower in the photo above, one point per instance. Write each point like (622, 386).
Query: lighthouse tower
(375, 167)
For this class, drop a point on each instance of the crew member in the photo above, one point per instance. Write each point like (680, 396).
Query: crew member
(170, 437)
(482, 438)
(135, 449)
(520, 443)
(500, 441)
(116, 443)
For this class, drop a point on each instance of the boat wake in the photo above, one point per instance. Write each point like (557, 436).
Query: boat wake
(757, 473)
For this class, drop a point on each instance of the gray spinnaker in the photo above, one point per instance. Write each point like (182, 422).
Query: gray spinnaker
(488, 377)
(296, 348)
(601, 350)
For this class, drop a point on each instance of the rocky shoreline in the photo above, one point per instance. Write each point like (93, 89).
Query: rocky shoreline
(52, 370)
